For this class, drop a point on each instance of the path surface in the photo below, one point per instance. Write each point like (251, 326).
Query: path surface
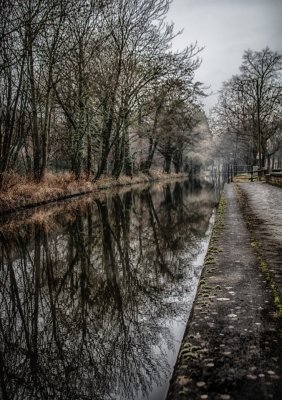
(232, 345)
(264, 206)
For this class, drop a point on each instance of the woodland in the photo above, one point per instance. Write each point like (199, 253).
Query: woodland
(93, 88)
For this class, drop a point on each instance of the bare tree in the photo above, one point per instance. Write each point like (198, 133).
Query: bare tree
(13, 97)
(250, 104)
(73, 81)
(81, 79)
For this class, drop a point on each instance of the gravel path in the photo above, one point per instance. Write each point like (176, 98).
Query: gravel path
(232, 345)
(266, 203)
(263, 205)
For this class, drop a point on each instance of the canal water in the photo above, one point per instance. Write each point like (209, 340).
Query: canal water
(95, 294)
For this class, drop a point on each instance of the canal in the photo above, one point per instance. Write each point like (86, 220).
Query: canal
(95, 293)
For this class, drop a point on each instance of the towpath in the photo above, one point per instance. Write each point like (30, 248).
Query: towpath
(232, 348)
(262, 205)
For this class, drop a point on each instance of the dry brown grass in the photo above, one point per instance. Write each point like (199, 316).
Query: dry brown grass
(246, 178)
(242, 178)
(109, 182)
(21, 192)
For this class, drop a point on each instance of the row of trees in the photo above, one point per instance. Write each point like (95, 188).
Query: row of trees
(248, 116)
(85, 82)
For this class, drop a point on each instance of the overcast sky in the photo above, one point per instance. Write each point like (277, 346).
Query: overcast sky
(226, 28)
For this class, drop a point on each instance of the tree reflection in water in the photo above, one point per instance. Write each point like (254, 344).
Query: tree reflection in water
(85, 306)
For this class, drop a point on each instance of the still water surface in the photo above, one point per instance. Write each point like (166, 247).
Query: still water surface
(94, 299)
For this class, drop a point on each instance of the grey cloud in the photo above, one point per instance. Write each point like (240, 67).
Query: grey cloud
(226, 28)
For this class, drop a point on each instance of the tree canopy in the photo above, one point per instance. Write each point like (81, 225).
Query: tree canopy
(247, 117)
(83, 83)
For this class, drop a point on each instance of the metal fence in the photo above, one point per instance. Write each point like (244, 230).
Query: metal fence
(251, 172)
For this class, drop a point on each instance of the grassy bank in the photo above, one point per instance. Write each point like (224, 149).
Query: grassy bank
(22, 192)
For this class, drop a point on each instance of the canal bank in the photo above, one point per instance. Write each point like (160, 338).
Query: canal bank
(232, 345)
(26, 194)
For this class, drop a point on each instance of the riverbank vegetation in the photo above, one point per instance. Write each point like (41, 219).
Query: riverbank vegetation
(247, 121)
(22, 192)
(93, 89)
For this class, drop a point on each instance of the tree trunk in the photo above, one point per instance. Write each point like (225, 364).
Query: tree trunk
(167, 163)
(46, 126)
(146, 165)
(34, 116)
(178, 161)
(127, 156)
(106, 135)
(89, 157)
(118, 159)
